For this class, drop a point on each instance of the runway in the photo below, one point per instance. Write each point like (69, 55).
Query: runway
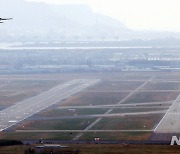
(170, 122)
(22, 110)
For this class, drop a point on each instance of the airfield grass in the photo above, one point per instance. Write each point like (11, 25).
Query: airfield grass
(162, 86)
(103, 75)
(6, 93)
(127, 75)
(65, 124)
(2, 82)
(142, 97)
(113, 136)
(94, 98)
(138, 122)
(130, 110)
(173, 76)
(23, 89)
(10, 100)
(108, 85)
(13, 149)
(36, 136)
(66, 112)
(30, 85)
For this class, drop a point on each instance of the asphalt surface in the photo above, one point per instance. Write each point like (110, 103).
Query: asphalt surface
(133, 105)
(170, 122)
(112, 107)
(22, 110)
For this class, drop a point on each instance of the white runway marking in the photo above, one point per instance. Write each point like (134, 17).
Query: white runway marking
(170, 122)
(35, 104)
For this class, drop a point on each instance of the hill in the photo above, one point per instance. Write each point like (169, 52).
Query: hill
(40, 21)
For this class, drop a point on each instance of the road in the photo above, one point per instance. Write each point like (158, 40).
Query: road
(112, 107)
(141, 90)
(170, 122)
(110, 110)
(22, 110)
(122, 106)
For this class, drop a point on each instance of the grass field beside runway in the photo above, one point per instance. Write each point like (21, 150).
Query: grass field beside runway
(64, 124)
(135, 122)
(71, 112)
(95, 98)
(18, 90)
(142, 97)
(111, 86)
(162, 86)
(116, 136)
(130, 110)
(37, 136)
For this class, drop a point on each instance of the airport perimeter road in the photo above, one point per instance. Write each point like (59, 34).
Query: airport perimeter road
(29, 107)
(170, 122)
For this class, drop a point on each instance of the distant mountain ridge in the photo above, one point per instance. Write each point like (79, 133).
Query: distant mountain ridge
(38, 21)
(42, 21)
(84, 15)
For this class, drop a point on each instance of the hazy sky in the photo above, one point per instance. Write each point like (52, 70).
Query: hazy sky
(136, 14)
